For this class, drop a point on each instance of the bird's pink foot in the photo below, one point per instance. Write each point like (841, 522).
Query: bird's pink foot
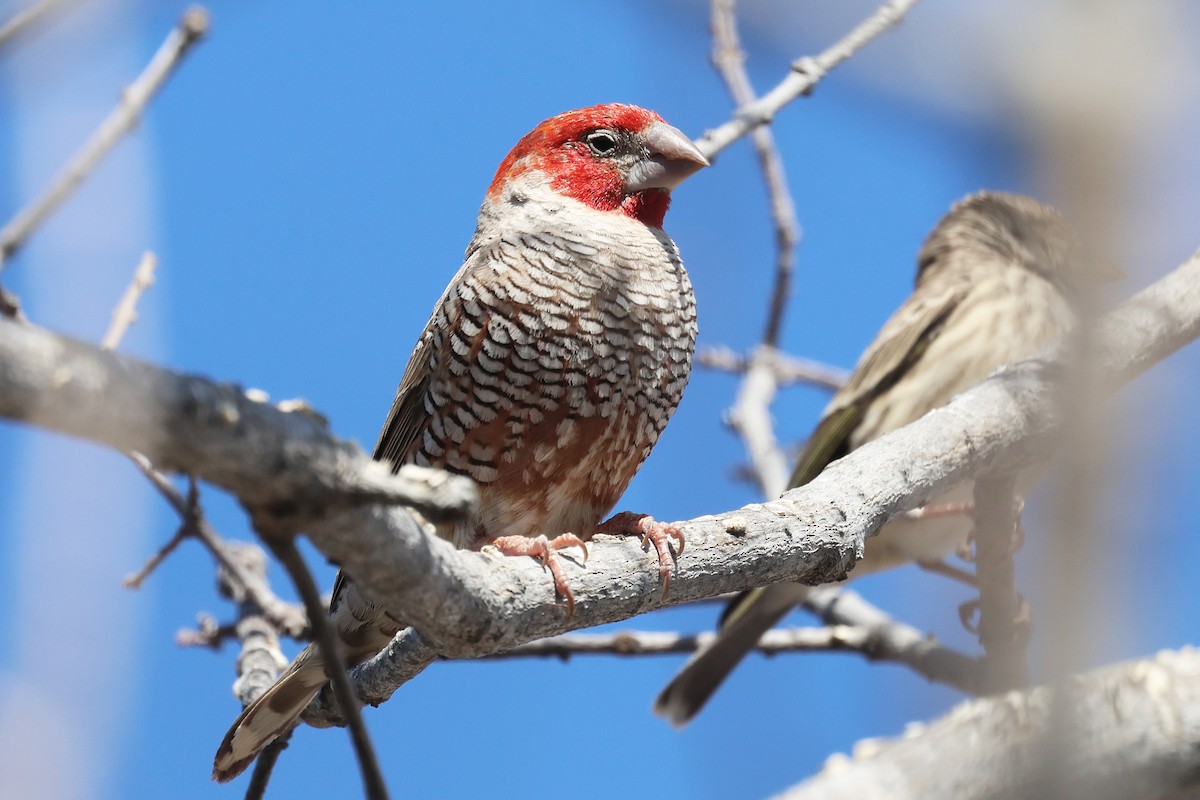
(546, 551)
(627, 523)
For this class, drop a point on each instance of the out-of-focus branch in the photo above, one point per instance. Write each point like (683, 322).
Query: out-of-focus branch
(125, 313)
(805, 74)
(26, 18)
(283, 546)
(190, 29)
(730, 62)
(788, 369)
(1003, 631)
(1143, 732)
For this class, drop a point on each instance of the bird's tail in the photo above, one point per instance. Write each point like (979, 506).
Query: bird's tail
(271, 715)
(748, 617)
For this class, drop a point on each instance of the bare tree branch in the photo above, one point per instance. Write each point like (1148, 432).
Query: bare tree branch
(893, 640)
(1143, 733)
(837, 638)
(750, 417)
(277, 463)
(468, 604)
(190, 29)
(730, 62)
(788, 369)
(805, 74)
(376, 679)
(243, 583)
(1003, 629)
(125, 314)
(264, 765)
(26, 18)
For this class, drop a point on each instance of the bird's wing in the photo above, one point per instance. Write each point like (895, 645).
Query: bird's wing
(407, 415)
(901, 342)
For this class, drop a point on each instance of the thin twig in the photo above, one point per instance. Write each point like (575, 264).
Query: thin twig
(25, 18)
(136, 579)
(730, 62)
(1003, 632)
(286, 618)
(125, 313)
(788, 369)
(284, 548)
(805, 74)
(894, 640)
(839, 638)
(191, 27)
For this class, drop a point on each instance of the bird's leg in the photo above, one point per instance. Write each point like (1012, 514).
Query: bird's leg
(966, 550)
(546, 551)
(627, 523)
(939, 510)
(949, 571)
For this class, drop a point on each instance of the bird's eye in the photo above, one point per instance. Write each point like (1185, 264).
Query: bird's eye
(601, 143)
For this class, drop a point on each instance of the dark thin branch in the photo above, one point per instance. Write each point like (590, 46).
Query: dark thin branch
(284, 549)
(804, 76)
(264, 765)
(1003, 626)
(190, 29)
(730, 62)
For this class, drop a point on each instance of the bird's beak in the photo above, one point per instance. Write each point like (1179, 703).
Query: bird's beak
(672, 157)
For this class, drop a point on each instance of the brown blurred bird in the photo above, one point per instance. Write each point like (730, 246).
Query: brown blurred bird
(546, 373)
(994, 283)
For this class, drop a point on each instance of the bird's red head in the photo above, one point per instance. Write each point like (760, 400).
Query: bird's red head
(611, 157)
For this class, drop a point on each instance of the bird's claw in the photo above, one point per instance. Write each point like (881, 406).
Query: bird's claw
(546, 551)
(653, 532)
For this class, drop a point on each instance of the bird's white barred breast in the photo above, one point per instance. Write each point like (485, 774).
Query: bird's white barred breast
(558, 355)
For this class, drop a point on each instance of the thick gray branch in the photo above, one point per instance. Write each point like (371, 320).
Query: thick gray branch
(1143, 733)
(470, 604)
(284, 464)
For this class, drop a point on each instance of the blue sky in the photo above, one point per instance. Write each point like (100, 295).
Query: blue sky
(309, 180)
